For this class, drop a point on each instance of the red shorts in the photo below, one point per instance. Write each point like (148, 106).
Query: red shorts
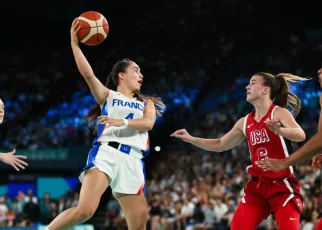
(263, 197)
(277, 193)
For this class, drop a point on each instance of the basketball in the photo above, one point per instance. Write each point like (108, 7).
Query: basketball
(94, 28)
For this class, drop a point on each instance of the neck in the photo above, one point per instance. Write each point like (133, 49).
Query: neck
(261, 108)
(125, 91)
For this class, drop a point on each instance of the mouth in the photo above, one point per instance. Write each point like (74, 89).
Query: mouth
(140, 82)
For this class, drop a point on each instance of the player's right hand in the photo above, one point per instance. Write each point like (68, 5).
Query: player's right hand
(269, 164)
(14, 160)
(182, 134)
(74, 30)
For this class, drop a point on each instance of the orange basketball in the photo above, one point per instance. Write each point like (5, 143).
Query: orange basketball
(94, 28)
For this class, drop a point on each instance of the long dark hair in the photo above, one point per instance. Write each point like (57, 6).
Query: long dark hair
(280, 93)
(112, 82)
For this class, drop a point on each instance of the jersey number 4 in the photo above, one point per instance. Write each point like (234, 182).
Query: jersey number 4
(130, 116)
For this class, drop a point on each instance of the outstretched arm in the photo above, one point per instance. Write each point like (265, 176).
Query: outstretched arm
(99, 91)
(231, 139)
(310, 149)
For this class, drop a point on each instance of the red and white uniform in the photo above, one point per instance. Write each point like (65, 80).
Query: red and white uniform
(266, 193)
(263, 143)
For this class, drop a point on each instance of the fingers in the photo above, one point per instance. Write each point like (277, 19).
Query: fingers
(78, 28)
(103, 116)
(17, 164)
(179, 136)
(178, 132)
(103, 120)
(21, 157)
(75, 26)
(13, 151)
(14, 166)
(21, 162)
(263, 164)
(75, 22)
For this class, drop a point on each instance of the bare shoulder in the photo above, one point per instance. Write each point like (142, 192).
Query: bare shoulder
(280, 113)
(321, 100)
(149, 103)
(280, 110)
(240, 123)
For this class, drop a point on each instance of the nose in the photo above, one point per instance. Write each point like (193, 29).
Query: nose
(247, 87)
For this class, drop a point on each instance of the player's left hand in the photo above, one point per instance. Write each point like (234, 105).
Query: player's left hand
(16, 161)
(274, 125)
(317, 162)
(110, 121)
(269, 164)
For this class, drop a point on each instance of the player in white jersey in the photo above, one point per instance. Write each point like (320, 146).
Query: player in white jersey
(124, 118)
(9, 158)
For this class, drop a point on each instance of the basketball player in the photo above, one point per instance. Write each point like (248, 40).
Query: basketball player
(312, 148)
(9, 158)
(269, 129)
(124, 118)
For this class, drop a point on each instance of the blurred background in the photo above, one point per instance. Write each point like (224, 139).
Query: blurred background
(197, 55)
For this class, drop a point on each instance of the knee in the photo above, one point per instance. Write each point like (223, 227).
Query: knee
(143, 215)
(139, 221)
(84, 213)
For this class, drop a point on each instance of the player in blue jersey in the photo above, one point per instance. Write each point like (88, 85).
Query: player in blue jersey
(124, 118)
(9, 158)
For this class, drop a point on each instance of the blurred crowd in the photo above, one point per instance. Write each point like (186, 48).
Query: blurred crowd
(28, 210)
(200, 71)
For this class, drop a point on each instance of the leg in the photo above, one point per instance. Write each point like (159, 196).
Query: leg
(288, 217)
(135, 210)
(94, 184)
(251, 211)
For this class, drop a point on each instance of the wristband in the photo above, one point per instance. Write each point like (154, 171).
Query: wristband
(126, 123)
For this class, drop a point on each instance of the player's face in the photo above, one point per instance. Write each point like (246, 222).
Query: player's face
(255, 89)
(1, 111)
(320, 77)
(133, 77)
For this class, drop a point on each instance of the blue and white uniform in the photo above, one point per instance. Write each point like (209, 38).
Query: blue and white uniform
(118, 151)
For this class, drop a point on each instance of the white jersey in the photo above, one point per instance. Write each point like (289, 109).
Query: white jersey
(119, 106)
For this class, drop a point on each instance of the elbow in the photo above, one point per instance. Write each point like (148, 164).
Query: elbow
(146, 127)
(87, 74)
(149, 127)
(149, 124)
(220, 150)
(302, 136)
(218, 146)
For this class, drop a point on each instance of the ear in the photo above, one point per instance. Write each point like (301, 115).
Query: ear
(121, 76)
(266, 90)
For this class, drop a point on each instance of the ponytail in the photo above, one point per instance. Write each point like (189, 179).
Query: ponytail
(280, 93)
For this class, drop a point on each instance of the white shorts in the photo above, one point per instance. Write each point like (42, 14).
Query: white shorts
(125, 172)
